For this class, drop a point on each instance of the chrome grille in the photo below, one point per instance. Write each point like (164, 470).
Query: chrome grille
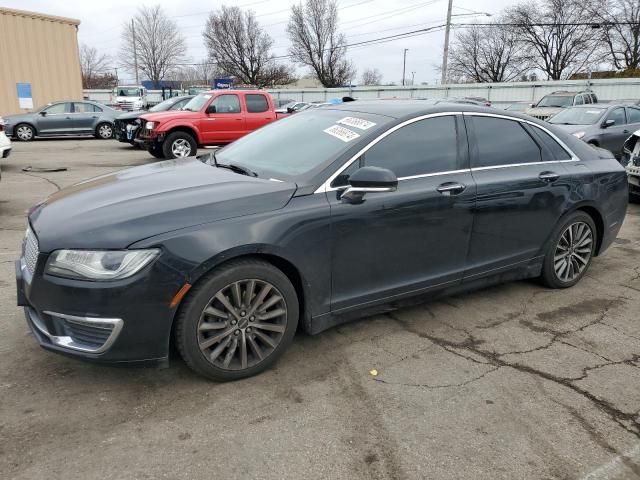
(31, 251)
(541, 117)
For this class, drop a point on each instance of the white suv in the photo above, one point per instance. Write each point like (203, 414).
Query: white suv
(5, 143)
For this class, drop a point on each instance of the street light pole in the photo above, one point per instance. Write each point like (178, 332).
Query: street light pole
(135, 52)
(445, 53)
(404, 64)
(413, 77)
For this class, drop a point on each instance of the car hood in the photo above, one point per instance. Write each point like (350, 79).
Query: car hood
(118, 209)
(131, 115)
(572, 128)
(171, 115)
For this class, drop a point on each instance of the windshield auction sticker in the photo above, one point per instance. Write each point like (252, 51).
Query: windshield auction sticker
(357, 123)
(342, 133)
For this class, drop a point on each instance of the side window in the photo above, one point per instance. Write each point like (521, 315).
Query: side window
(343, 179)
(256, 103)
(579, 100)
(178, 105)
(618, 115)
(634, 115)
(58, 109)
(81, 107)
(553, 150)
(503, 142)
(594, 98)
(425, 146)
(227, 103)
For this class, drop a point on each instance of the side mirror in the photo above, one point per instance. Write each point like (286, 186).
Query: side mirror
(43, 113)
(211, 109)
(369, 180)
(609, 123)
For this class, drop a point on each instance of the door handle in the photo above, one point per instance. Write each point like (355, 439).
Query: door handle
(451, 188)
(548, 176)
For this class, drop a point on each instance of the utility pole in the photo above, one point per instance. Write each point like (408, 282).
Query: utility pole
(404, 64)
(413, 77)
(135, 52)
(445, 54)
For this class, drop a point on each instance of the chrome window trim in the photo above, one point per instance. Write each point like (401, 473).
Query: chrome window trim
(113, 324)
(574, 157)
(495, 167)
(326, 186)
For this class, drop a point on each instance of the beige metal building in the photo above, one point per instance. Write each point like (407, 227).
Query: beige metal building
(40, 52)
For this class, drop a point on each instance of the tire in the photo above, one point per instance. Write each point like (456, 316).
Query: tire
(178, 145)
(24, 132)
(634, 198)
(570, 251)
(104, 131)
(156, 152)
(222, 358)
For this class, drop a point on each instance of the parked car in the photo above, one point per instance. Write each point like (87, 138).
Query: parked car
(519, 107)
(210, 118)
(292, 107)
(126, 125)
(606, 126)
(315, 219)
(63, 118)
(626, 101)
(281, 102)
(462, 100)
(5, 144)
(631, 160)
(553, 103)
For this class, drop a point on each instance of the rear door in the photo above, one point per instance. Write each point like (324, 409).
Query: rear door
(259, 112)
(227, 123)
(85, 117)
(521, 190)
(57, 120)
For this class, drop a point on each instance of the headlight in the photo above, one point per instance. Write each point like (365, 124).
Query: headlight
(150, 125)
(99, 265)
(578, 134)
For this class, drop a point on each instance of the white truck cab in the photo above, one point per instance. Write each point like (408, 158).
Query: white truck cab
(129, 97)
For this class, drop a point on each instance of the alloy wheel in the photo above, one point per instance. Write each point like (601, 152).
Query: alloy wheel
(105, 131)
(573, 251)
(181, 148)
(24, 132)
(242, 324)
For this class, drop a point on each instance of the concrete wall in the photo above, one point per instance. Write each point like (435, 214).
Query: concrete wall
(38, 49)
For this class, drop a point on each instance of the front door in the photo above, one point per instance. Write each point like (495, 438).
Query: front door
(226, 124)
(614, 136)
(522, 188)
(57, 119)
(413, 239)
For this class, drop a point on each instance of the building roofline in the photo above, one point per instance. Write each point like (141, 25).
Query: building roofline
(39, 16)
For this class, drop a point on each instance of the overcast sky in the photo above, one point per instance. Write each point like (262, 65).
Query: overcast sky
(101, 24)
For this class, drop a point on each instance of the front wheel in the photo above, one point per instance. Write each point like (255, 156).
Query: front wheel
(237, 321)
(156, 152)
(179, 145)
(24, 132)
(570, 251)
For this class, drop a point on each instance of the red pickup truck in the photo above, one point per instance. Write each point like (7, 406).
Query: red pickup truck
(210, 118)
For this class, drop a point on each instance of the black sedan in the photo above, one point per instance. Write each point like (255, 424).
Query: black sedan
(315, 219)
(126, 125)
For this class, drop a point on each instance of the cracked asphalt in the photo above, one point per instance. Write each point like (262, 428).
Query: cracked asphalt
(514, 381)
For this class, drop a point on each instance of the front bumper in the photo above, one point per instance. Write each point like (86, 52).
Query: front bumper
(633, 177)
(147, 141)
(111, 322)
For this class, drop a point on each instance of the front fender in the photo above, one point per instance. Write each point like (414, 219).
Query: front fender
(166, 128)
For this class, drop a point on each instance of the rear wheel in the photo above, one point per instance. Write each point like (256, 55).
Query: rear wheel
(570, 251)
(24, 132)
(178, 145)
(104, 131)
(237, 321)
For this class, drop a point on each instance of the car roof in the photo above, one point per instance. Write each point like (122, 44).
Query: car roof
(398, 109)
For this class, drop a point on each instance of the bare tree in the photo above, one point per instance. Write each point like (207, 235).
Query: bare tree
(239, 46)
(316, 43)
(94, 66)
(620, 29)
(371, 76)
(490, 53)
(159, 44)
(559, 33)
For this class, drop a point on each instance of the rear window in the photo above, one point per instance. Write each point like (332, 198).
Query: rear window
(256, 103)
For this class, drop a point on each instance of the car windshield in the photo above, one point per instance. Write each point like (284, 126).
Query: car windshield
(578, 116)
(197, 102)
(128, 92)
(299, 144)
(163, 106)
(517, 107)
(556, 101)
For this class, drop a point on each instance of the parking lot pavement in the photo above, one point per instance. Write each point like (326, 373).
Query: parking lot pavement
(515, 381)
